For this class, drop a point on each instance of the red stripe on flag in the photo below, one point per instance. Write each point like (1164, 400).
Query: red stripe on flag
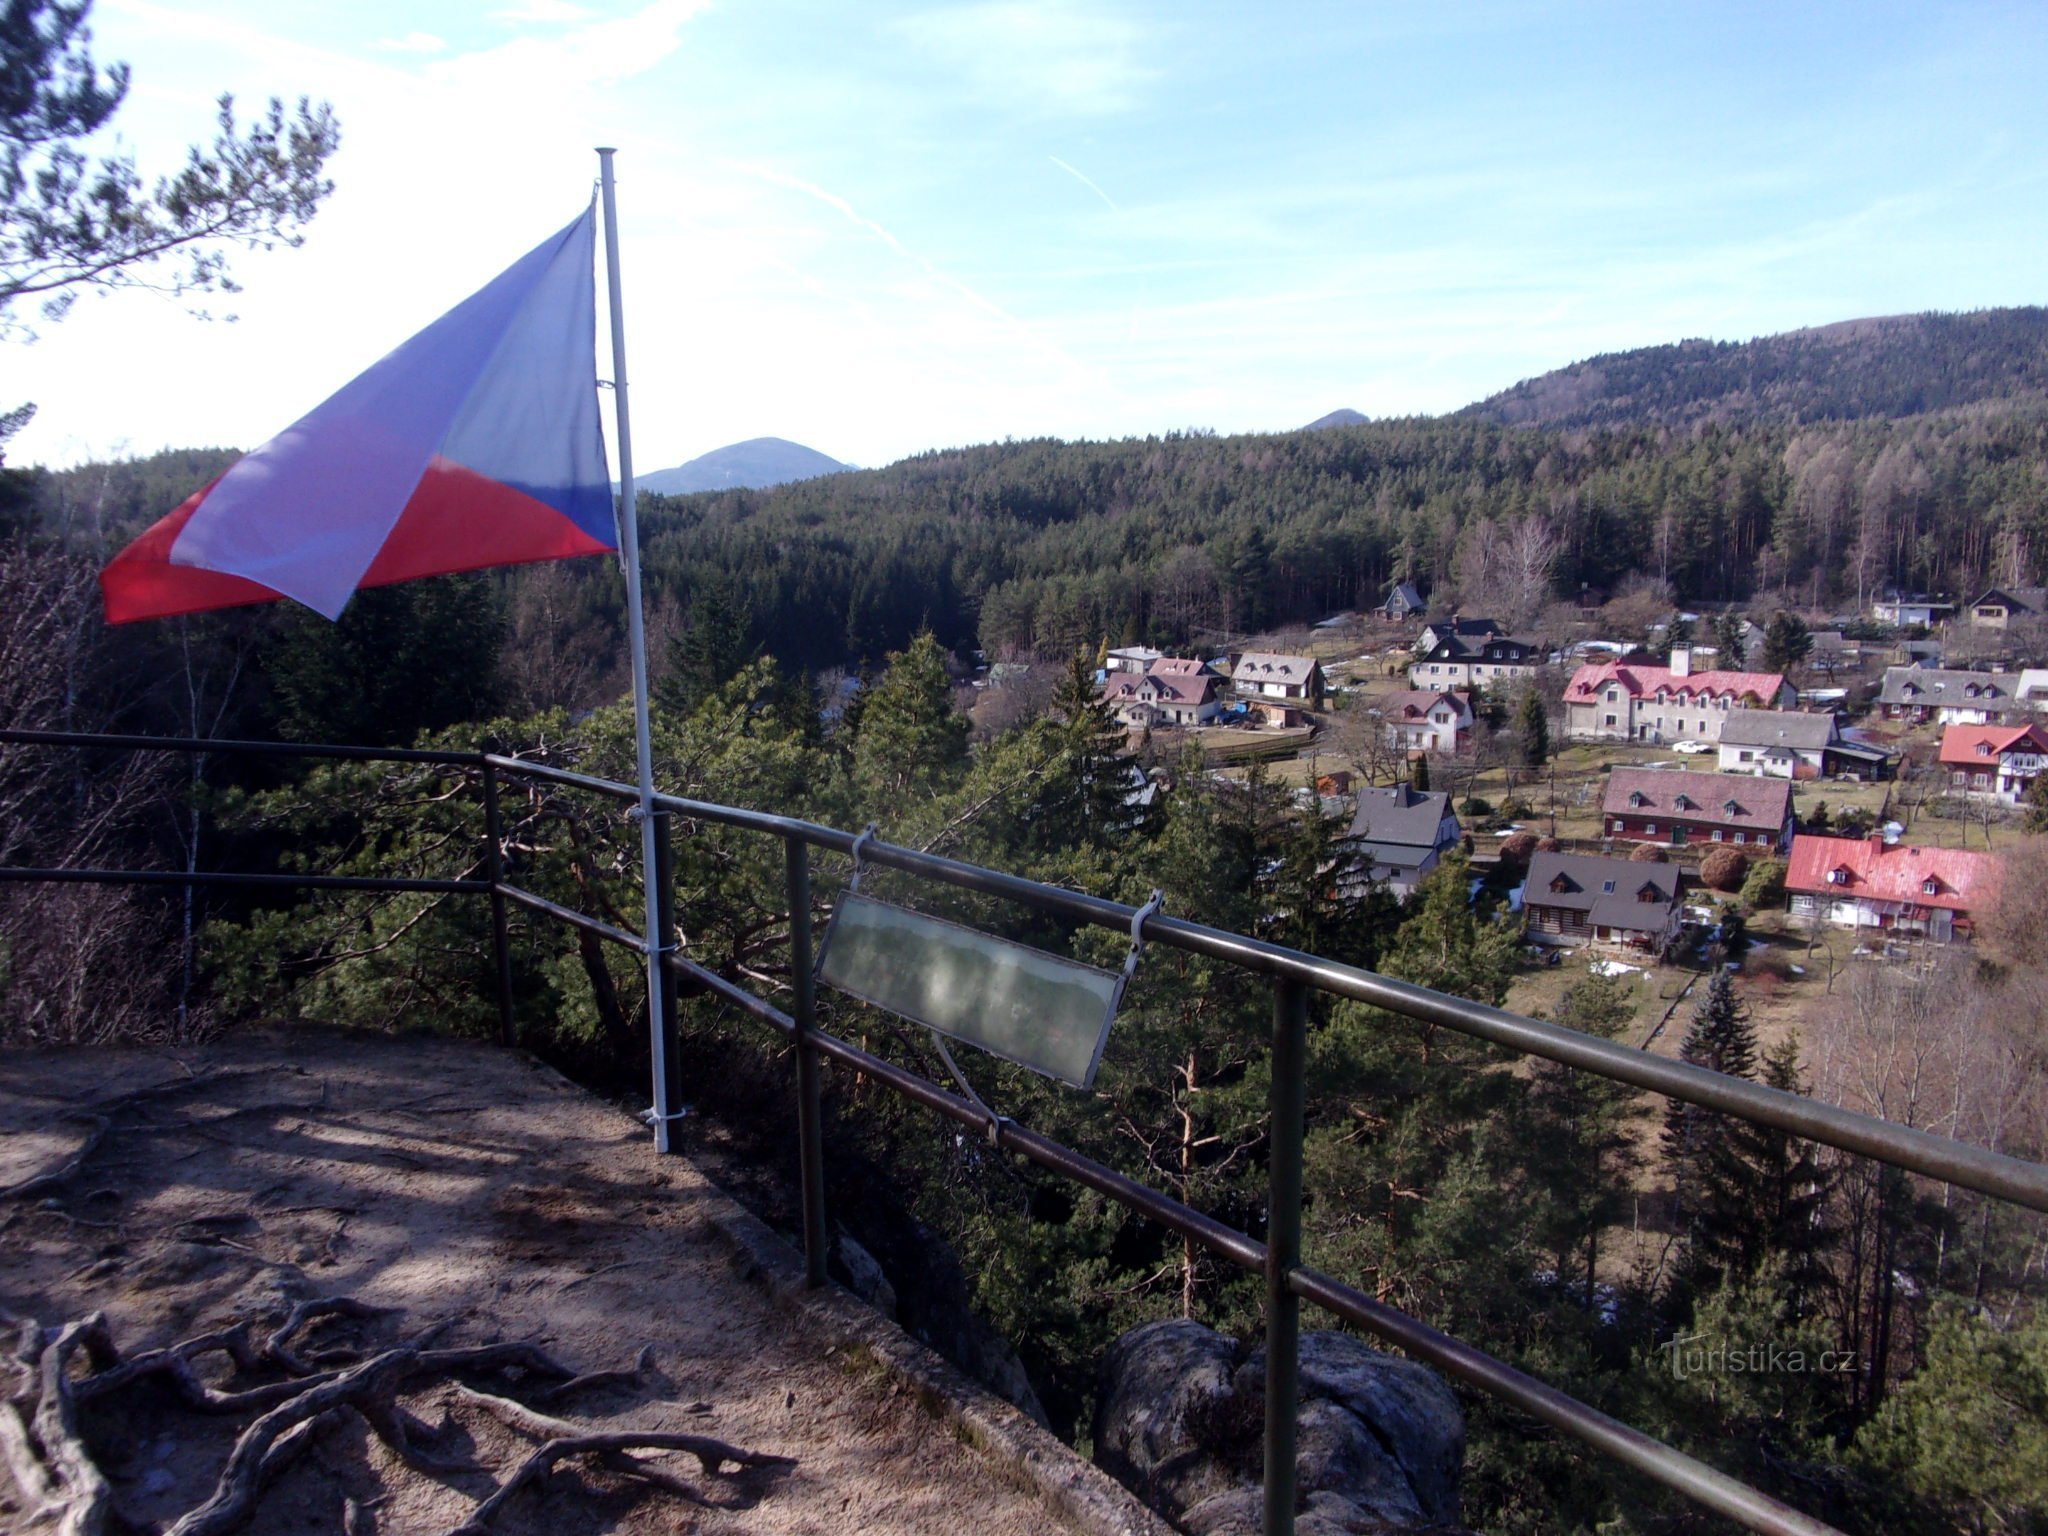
(456, 520)
(141, 582)
(459, 520)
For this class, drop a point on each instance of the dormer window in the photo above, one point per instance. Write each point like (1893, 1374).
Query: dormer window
(1649, 893)
(1637, 799)
(1983, 749)
(1930, 886)
(1561, 885)
(1685, 803)
(1730, 807)
(1839, 875)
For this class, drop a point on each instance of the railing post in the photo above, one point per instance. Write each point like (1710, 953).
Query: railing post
(667, 1041)
(810, 1120)
(494, 866)
(1283, 1250)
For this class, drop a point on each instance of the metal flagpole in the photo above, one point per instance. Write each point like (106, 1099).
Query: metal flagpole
(658, 938)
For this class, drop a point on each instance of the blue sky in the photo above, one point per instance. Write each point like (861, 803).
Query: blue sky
(883, 228)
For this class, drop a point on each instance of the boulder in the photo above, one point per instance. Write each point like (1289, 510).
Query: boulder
(1380, 1441)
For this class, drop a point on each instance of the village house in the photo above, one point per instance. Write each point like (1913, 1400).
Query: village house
(1919, 694)
(1404, 602)
(1777, 744)
(1624, 701)
(1131, 658)
(1676, 806)
(1571, 899)
(1398, 836)
(1865, 882)
(1464, 653)
(1263, 674)
(1903, 608)
(1994, 762)
(2032, 689)
(1163, 698)
(1421, 721)
(2000, 606)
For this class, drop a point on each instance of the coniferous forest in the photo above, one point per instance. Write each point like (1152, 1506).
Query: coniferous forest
(1579, 1230)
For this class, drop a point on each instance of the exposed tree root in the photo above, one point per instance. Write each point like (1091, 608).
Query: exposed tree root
(42, 1447)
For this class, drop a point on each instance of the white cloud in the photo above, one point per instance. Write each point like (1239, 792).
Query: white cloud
(544, 13)
(1060, 54)
(413, 42)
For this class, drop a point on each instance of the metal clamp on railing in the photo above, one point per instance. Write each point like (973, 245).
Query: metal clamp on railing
(867, 835)
(1150, 909)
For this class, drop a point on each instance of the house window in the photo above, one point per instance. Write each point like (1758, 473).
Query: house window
(1930, 886)
(1717, 834)
(1650, 827)
(1610, 719)
(1741, 837)
(1615, 825)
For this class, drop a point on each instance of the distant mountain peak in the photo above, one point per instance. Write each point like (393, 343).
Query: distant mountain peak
(1343, 416)
(751, 465)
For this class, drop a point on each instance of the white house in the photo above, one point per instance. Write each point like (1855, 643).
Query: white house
(1621, 701)
(1163, 698)
(1265, 674)
(1420, 721)
(1777, 744)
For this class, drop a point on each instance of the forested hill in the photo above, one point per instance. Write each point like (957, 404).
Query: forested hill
(1898, 365)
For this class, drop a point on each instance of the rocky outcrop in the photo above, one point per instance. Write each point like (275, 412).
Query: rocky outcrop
(1181, 1422)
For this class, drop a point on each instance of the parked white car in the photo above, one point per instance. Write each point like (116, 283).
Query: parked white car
(1692, 748)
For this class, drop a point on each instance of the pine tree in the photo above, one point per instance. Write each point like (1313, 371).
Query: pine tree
(1713, 1158)
(911, 741)
(1786, 643)
(713, 650)
(1728, 641)
(1418, 776)
(1532, 725)
(1583, 1145)
(1794, 1185)
(1092, 798)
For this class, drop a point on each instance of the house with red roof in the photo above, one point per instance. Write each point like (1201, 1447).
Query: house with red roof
(1624, 701)
(1163, 698)
(1865, 882)
(1994, 762)
(1675, 806)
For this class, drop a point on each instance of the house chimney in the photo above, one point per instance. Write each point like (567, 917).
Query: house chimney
(1681, 661)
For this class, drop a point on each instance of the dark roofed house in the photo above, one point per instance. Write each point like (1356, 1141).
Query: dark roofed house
(1950, 696)
(1776, 743)
(1671, 805)
(1404, 602)
(1399, 835)
(1998, 607)
(1579, 898)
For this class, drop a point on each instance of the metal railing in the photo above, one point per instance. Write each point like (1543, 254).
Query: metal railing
(1294, 975)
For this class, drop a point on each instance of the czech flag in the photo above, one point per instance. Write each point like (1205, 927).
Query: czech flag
(474, 444)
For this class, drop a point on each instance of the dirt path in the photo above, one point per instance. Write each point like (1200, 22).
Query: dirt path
(446, 1181)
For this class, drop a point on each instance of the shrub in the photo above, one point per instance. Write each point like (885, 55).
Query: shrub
(1517, 809)
(1724, 869)
(1549, 845)
(1765, 884)
(1516, 847)
(1474, 806)
(1649, 853)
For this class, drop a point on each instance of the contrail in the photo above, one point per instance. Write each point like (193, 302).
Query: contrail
(1078, 176)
